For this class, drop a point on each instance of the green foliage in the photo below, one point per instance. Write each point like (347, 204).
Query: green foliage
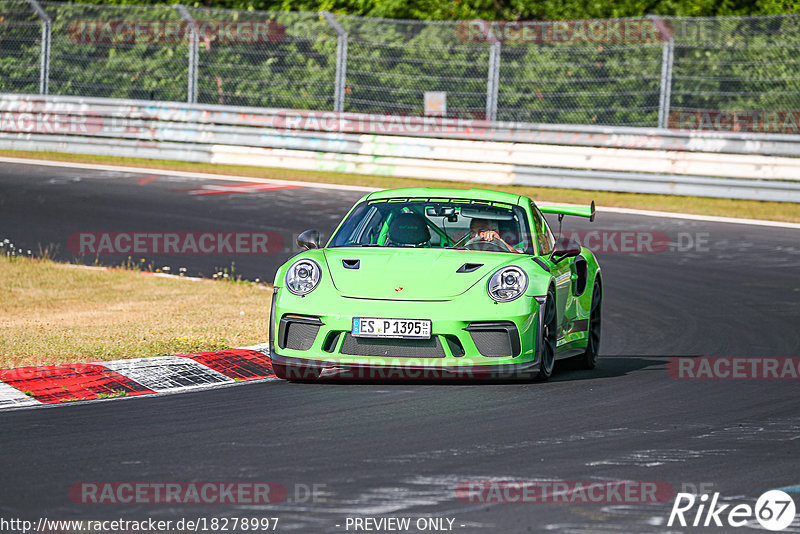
(506, 9)
(719, 64)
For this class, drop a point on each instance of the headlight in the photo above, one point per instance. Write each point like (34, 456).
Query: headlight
(302, 277)
(507, 284)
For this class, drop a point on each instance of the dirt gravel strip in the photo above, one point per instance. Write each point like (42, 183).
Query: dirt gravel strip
(58, 384)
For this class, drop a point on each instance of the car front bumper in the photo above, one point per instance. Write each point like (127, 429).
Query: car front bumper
(472, 337)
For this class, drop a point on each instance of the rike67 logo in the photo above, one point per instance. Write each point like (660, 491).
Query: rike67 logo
(774, 510)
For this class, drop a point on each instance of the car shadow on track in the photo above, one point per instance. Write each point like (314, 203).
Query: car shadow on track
(609, 367)
(565, 371)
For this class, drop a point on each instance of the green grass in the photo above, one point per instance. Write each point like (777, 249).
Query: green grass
(115, 394)
(750, 209)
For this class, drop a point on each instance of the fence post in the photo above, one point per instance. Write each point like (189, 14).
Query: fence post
(44, 64)
(191, 89)
(667, 57)
(493, 82)
(341, 60)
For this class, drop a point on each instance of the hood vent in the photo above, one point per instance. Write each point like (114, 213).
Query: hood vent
(469, 267)
(351, 264)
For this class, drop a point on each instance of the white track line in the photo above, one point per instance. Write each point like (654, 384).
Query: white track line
(341, 187)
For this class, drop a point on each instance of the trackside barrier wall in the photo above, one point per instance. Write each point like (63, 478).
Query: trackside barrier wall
(641, 160)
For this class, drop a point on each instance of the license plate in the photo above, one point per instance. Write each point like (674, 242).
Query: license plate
(383, 327)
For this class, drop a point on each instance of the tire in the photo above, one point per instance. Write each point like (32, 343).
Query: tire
(295, 373)
(588, 360)
(547, 339)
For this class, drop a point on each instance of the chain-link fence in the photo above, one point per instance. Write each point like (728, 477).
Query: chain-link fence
(391, 64)
(750, 64)
(291, 64)
(86, 61)
(21, 47)
(713, 73)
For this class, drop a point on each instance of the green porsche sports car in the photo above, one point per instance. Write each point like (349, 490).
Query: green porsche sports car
(437, 283)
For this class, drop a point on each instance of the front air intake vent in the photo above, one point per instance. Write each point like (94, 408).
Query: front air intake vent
(495, 339)
(331, 342)
(469, 267)
(297, 332)
(456, 348)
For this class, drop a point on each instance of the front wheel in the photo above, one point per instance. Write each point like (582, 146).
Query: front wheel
(547, 338)
(588, 359)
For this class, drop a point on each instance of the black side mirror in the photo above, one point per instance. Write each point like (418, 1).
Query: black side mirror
(308, 239)
(565, 248)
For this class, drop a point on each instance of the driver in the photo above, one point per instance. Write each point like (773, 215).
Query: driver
(486, 230)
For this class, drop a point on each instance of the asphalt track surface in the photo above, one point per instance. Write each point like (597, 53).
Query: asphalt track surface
(401, 449)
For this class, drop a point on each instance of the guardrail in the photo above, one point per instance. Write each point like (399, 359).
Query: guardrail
(641, 160)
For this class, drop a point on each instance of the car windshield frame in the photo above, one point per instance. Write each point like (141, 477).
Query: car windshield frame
(447, 221)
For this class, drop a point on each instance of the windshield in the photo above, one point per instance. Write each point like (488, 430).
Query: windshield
(424, 223)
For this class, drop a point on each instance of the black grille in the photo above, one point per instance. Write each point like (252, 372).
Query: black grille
(300, 336)
(298, 333)
(495, 340)
(492, 342)
(394, 348)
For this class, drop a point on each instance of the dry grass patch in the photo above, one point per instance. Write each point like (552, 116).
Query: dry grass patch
(54, 313)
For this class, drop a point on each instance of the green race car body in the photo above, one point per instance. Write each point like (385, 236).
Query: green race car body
(437, 283)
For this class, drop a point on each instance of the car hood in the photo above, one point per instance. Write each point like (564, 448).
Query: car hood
(409, 274)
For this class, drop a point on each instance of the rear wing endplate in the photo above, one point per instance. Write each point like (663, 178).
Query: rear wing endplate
(578, 211)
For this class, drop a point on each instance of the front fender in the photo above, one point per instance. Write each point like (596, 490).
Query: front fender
(540, 276)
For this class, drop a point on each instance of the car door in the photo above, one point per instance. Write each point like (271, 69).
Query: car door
(561, 271)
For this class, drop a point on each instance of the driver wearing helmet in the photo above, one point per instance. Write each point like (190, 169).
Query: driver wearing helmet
(487, 230)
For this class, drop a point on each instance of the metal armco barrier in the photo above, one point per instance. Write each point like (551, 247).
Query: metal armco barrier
(641, 160)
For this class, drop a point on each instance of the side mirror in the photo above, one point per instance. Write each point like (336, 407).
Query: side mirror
(564, 248)
(308, 239)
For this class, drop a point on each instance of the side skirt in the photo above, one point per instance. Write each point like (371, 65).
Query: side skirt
(569, 350)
